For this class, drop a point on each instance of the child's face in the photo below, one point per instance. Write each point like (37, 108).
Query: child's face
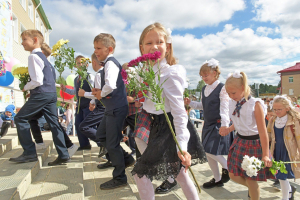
(7, 113)
(209, 77)
(279, 109)
(153, 42)
(96, 65)
(270, 114)
(28, 43)
(101, 51)
(78, 63)
(235, 93)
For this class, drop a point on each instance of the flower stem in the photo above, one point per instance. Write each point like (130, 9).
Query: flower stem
(92, 88)
(78, 105)
(136, 109)
(175, 139)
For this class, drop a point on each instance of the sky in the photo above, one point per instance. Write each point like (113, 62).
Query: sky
(259, 37)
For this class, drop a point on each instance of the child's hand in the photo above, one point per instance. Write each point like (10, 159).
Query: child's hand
(267, 161)
(130, 99)
(186, 159)
(97, 93)
(27, 95)
(62, 87)
(81, 92)
(224, 130)
(125, 138)
(92, 107)
(187, 101)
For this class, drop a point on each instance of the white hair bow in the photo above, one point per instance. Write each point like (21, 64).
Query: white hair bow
(284, 96)
(169, 37)
(213, 63)
(235, 74)
(271, 104)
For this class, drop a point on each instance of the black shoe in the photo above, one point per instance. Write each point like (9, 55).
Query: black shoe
(292, 192)
(4, 128)
(58, 161)
(105, 165)
(165, 187)
(129, 162)
(276, 184)
(112, 184)
(88, 147)
(212, 183)
(225, 176)
(102, 152)
(24, 158)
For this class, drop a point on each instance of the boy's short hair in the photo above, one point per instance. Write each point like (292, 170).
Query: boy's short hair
(94, 57)
(34, 33)
(106, 39)
(46, 49)
(79, 57)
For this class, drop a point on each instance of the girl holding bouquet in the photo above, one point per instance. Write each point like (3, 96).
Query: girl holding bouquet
(161, 158)
(284, 131)
(247, 114)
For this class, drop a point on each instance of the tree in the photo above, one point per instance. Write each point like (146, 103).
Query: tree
(200, 85)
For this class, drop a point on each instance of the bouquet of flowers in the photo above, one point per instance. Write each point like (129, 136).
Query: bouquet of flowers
(23, 75)
(252, 165)
(63, 55)
(144, 69)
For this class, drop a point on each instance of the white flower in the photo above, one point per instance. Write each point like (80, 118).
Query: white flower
(130, 75)
(246, 162)
(251, 170)
(258, 163)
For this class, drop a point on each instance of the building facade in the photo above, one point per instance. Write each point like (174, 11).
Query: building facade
(290, 80)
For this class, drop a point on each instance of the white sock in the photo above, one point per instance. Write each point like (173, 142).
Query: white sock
(214, 168)
(170, 179)
(145, 188)
(141, 145)
(285, 189)
(220, 159)
(187, 185)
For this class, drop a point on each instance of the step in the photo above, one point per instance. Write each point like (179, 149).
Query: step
(58, 182)
(9, 141)
(14, 177)
(93, 177)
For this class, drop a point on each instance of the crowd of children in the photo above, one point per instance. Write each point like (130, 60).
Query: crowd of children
(235, 123)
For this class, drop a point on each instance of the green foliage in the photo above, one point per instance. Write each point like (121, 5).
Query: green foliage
(200, 85)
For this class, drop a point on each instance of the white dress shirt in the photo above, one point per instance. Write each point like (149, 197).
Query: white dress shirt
(35, 70)
(224, 102)
(174, 78)
(111, 71)
(90, 78)
(246, 123)
(97, 82)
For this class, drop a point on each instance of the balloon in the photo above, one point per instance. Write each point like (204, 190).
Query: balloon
(12, 62)
(2, 79)
(15, 67)
(9, 79)
(70, 79)
(65, 95)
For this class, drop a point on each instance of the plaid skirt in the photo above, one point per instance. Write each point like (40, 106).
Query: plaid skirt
(142, 128)
(240, 148)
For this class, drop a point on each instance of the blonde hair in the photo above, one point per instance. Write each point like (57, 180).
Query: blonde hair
(94, 57)
(106, 39)
(159, 28)
(46, 49)
(292, 112)
(240, 82)
(205, 69)
(34, 33)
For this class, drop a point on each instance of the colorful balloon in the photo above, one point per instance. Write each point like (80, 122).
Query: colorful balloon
(70, 79)
(12, 62)
(65, 95)
(9, 79)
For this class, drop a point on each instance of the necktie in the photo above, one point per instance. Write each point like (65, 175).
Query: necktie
(238, 106)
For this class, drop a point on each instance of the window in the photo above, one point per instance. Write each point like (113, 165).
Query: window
(15, 30)
(37, 21)
(30, 9)
(291, 91)
(22, 28)
(291, 79)
(23, 3)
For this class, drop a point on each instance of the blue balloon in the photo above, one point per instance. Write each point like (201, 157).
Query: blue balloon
(2, 79)
(9, 79)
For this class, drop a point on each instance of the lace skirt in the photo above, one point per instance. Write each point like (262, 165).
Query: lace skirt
(160, 159)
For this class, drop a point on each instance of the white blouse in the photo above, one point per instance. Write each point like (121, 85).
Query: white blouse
(175, 82)
(280, 122)
(224, 102)
(246, 124)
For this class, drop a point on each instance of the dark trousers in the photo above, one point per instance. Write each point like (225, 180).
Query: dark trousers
(37, 134)
(110, 135)
(79, 117)
(45, 103)
(88, 126)
(130, 121)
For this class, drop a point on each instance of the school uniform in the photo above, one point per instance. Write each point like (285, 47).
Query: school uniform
(43, 99)
(109, 132)
(247, 141)
(83, 109)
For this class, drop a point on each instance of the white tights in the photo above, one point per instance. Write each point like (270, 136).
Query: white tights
(213, 161)
(146, 190)
(285, 189)
(145, 186)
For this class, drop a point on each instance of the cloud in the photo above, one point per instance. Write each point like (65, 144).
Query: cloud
(285, 14)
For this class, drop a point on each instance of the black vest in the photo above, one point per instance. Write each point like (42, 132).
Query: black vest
(84, 102)
(48, 81)
(117, 98)
(211, 105)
